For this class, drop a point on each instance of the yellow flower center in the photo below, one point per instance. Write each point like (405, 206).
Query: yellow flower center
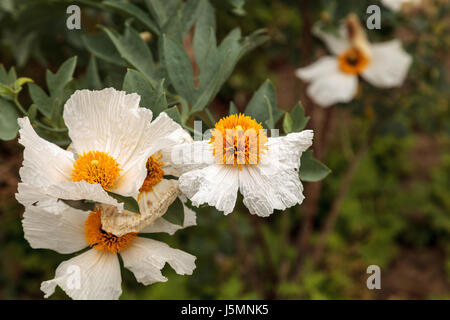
(96, 167)
(102, 240)
(353, 61)
(238, 140)
(155, 173)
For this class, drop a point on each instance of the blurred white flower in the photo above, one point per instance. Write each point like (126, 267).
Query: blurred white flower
(396, 5)
(239, 156)
(112, 138)
(51, 224)
(334, 79)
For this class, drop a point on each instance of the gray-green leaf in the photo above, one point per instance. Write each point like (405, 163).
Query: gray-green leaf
(8, 120)
(311, 169)
(151, 98)
(262, 106)
(129, 203)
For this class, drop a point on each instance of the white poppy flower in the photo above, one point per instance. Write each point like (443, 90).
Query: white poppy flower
(112, 138)
(95, 273)
(239, 156)
(334, 79)
(396, 5)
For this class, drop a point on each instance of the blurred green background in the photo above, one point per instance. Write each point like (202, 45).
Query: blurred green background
(395, 213)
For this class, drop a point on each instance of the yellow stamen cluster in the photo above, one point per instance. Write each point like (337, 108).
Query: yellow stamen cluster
(238, 140)
(102, 240)
(353, 61)
(155, 173)
(96, 167)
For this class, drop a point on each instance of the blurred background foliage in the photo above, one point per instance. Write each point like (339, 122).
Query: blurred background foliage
(386, 201)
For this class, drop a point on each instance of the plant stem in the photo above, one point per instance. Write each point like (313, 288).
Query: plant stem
(336, 205)
(35, 121)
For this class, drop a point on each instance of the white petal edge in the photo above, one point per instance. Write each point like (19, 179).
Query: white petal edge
(146, 257)
(336, 44)
(57, 227)
(284, 152)
(80, 191)
(186, 157)
(216, 185)
(396, 5)
(389, 65)
(321, 68)
(99, 277)
(44, 162)
(265, 189)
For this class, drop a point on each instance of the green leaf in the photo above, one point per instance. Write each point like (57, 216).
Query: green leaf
(42, 101)
(151, 98)
(262, 106)
(7, 78)
(299, 120)
(100, 46)
(254, 40)
(209, 63)
(162, 10)
(206, 24)
(175, 213)
(8, 120)
(84, 205)
(189, 14)
(133, 49)
(222, 61)
(179, 68)
(295, 121)
(133, 11)
(57, 81)
(174, 113)
(7, 92)
(92, 76)
(233, 109)
(287, 123)
(311, 169)
(129, 203)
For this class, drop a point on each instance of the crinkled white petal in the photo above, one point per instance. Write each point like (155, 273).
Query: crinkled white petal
(389, 65)
(80, 191)
(46, 172)
(44, 163)
(274, 182)
(28, 194)
(146, 257)
(336, 44)
(105, 120)
(216, 185)
(264, 189)
(162, 225)
(329, 85)
(98, 274)
(163, 132)
(55, 226)
(286, 151)
(181, 137)
(186, 157)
